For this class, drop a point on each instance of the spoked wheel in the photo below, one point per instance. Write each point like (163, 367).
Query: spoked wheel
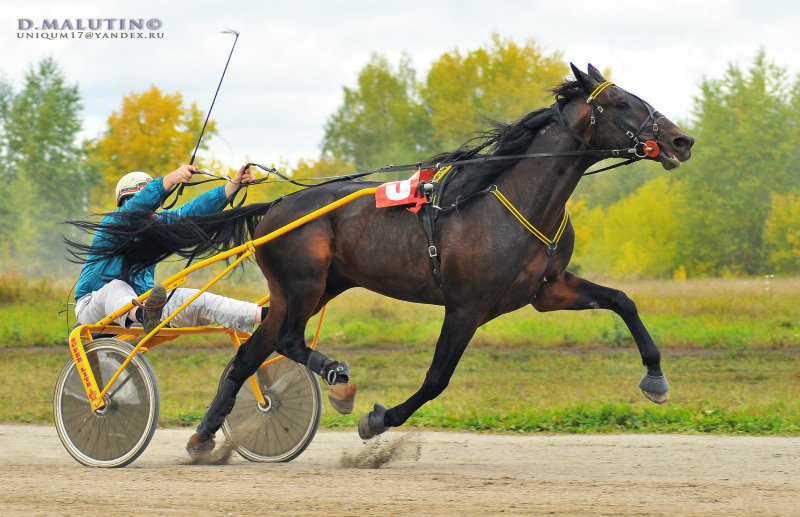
(281, 429)
(117, 433)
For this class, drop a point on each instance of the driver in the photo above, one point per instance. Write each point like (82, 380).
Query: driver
(100, 289)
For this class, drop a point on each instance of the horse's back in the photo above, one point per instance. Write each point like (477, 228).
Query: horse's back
(381, 249)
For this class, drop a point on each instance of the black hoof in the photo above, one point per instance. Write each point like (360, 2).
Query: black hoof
(655, 389)
(371, 425)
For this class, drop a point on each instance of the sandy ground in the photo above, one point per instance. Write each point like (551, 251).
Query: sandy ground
(416, 473)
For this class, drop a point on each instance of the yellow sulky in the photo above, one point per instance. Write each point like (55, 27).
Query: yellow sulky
(160, 334)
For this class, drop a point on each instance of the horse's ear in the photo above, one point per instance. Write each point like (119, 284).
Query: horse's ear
(595, 74)
(586, 81)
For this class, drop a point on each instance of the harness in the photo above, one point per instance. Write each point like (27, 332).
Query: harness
(430, 210)
(433, 189)
(550, 244)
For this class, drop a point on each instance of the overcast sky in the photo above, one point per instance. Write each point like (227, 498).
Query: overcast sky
(293, 57)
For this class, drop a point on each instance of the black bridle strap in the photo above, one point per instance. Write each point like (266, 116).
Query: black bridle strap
(559, 115)
(618, 164)
(653, 117)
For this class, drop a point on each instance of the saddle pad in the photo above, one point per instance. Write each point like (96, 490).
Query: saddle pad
(406, 192)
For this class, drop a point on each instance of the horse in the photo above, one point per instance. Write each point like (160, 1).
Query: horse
(497, 238)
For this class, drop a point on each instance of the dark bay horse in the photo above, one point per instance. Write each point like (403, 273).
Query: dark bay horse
(491, 261)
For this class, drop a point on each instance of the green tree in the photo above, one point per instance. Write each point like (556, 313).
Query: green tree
(503, 81)
(389, 118)
(42, 178)
(382, 121)
(748, 124)
(153, 132)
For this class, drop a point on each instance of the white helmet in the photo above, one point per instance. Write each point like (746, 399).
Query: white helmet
(131, 183)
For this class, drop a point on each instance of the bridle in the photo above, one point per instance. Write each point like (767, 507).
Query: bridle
(642, 149)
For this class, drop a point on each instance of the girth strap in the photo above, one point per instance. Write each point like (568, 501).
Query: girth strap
(426, 215)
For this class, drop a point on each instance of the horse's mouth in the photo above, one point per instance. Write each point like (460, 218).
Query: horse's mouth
(668, 160)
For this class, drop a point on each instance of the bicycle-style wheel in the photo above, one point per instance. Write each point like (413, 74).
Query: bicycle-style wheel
(280, 430)
(117, 433)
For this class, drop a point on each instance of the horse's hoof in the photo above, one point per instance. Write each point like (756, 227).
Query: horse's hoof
(199, 447)
(342, 396)
(655, 389)
(371, 424)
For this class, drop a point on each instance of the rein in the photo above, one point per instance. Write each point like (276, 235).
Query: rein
(178, 189)
(639, 152)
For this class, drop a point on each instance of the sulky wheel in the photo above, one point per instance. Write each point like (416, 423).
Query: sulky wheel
(280, 430)
(117, 433)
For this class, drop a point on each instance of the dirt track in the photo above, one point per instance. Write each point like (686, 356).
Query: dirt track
(427, 474)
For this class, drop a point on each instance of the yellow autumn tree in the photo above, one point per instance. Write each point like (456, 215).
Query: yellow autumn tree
(782, 233)
(153, 132)
(635, 237)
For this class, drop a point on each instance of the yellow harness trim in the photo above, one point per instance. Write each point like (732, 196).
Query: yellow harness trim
(531, 228)
(437, 177)
(597, 91)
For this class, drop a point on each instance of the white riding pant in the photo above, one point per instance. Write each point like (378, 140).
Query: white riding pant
(207, 309)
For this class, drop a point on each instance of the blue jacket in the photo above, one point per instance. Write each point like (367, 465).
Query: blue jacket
(95, 275)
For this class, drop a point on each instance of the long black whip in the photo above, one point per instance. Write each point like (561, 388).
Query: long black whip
(179, 187)
(236, 33)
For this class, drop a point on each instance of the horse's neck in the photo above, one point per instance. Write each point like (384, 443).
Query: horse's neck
(541, 187)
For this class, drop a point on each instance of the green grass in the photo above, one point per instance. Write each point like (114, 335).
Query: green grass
(514, 390)
(730, 348)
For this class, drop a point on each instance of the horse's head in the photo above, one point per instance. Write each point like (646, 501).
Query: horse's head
(622, 119)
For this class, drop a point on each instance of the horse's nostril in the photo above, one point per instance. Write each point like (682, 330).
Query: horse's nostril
(682, 142)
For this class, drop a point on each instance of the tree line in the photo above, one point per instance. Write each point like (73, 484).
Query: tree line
(730, 211)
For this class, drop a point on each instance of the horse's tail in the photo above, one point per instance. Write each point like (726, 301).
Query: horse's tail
(142, 240)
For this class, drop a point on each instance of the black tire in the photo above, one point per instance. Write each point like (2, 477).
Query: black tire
(280, 431)
(119, 432)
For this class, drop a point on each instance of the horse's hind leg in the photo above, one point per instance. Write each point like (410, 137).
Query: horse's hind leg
(569, 292)
(292, 344)
(250, 356)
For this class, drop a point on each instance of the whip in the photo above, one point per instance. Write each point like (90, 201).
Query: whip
(236, 34)
(179, 188)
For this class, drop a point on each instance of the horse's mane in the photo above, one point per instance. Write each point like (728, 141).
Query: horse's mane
(189, 237)
(503, 139)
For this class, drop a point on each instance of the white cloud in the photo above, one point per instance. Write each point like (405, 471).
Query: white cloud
(292, 58)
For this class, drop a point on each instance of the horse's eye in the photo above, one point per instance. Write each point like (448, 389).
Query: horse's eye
(621, 105)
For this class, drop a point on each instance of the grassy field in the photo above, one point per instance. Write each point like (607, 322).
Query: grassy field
(730, 348)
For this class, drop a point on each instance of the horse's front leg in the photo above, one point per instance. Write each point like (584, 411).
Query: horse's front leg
(569, 292)
(457, 330)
